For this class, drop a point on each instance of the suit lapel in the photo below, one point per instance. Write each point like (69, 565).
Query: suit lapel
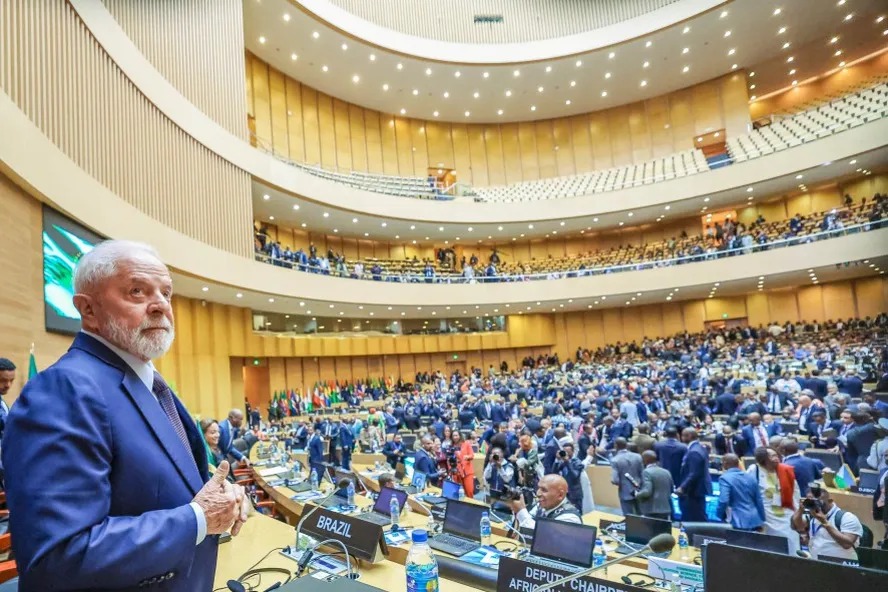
(162, 429)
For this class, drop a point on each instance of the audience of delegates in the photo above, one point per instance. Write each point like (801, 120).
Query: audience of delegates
(729, 392)
(721, 239)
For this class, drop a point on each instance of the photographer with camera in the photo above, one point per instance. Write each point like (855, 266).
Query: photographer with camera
(552, 504)
(527, 461)
(831, 531)
(499, 474)
(571, 469)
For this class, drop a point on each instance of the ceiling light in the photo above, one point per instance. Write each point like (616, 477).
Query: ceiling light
(841, 64)
(428, 71)
(880, 19)
(530, 226)
(372, 57)
(790, 59)
(324, 69)
(604, 93)
(838, 53)
(499, 112)
(266, 197)
(486, 74)
(415, 92)
(621, 223)
(734, 66)
(294, 57)
(793, 71)
(849, 16)
(304, 225)
(611, 55)
(385, 87)
(686, 30)
(400, 66)
(262, 40)
(752, 98)
(777, 11)
(533, 107)
(548, 68)
(356, 79)
(573, 82)
(751, 87)
(315, 34)
(833, 40)
(467, 113)
(435, 114)
(567, 102)
(685, 69)
(786, 45)
(723, 14)
(476, 94)
(781, 30)
(727, 34)
(271, 299)
(795, 82)
(403, 111)
(499, 228)
(732, 51)
(607, 75)
(446, 94)
(271, 218)
(645, 65)
(508, 93)
(578, 63)
(516, 73)
(685, 50)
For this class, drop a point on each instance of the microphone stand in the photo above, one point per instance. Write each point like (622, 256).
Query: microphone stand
(594, 568)
(307, 554)
(522, 538)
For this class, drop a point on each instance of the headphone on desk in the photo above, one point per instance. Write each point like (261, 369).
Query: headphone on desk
(238, 584)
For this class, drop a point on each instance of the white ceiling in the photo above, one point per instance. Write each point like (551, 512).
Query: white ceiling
(419, 85)
(279, 209)
(263, 301)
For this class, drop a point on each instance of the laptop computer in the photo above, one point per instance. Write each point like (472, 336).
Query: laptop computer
(640, 530)
(449, 491)
(417, 483)
(756, 540)
(872, 558)
(381, 514)
(562, 545)
(462, 529)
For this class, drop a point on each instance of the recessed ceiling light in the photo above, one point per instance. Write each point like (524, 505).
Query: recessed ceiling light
(499, 228)
(685, 69)
(271, 299)
(621, 223)
(262, 40)
(607, 75)
(304, 225)
(508, 93)
(727, 34)
(446, 94)
(732, 51)
(793, 71)
(412, 227)
(833, 40)
(849, 16)
(751, 87)
(516, 73)
(685, 50)
(777, 11)
(476, 94)
(548, 68)
(294, 57)
(573, 82)
(880, 19)
(403, 111)
(795, 82)
(499, 112)
(841, 64)
(324, 69)
(752, 98)
(838, 53)
(667, 208)
(645, 65)
(781, 30)
(567, 102)
(578, 63)
(611, 55)
(428, 71)
(271, 218)
(486, 74)
(266, 197)
(385, 87)
(435, 114)
(786, 45)
(356, 79)
(643, 83)
(533, 107)
(686, 30)
(723, 14)
(604, 93)
(415, 92)
(790, 59)
(467, 113)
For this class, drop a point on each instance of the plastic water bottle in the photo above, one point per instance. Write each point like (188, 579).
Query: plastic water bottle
(350, 493)
(431, 524)
(674, 582)
(683, 543)
(421, 566)
(485, 528)
(314, 480)
(599, 556)
(395, 510)
(462, 494)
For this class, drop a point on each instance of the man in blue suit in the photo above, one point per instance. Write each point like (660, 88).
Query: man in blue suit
(694, 480)
(347, 442)
(807, 470)
(316, 452)
(756, 433)
(229, 431)
(671, 453)
(424, 462)
(107, 481)
(739, 492)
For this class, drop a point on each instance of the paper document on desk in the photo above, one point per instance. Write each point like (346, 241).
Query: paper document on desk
(273, 471)
(306, 496)
(688, 574)
(485, 556)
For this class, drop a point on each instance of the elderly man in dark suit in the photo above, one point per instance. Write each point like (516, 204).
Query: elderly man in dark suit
(730, 442)
(111, 488)
(807, 470)
(671, 452)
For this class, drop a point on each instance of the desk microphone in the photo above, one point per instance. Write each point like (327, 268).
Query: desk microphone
(521, 537)
(659, 544)
(308, 553)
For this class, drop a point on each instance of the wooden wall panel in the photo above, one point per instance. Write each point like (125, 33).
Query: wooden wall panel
(527, 146)
(440, 144)
(599, 134)
(461, 159)
(327, 128)
(783, 306)
(278, 99)
(478, 154)
(545, 144)
(357, 138)
(511, 153)
(707, 110)
(404, 145)
(389, 145)
(310, 125)
(639, 134)
(296, 140)
(372, 127)
(838, 301)
(810, 300)
(420, 148)
(581, 143)
(342, 135)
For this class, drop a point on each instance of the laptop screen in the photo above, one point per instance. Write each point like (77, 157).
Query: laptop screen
(640, 529)
(757, 540)
(872, 558)
(464, 519)
(550, 541)
(450, 490)
(408, 467)
(419, 480)
(384, 500)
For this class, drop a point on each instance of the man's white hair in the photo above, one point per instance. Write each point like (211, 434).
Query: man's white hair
(101, 262)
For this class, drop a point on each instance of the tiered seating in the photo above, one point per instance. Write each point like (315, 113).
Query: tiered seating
(818, 122)
(416, 187)
(675, 165)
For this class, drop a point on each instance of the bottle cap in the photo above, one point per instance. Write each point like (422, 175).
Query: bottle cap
(420, 536)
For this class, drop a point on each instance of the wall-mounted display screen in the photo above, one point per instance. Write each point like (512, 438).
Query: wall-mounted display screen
(64, 241)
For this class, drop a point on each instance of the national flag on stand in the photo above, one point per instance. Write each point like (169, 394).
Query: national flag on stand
(844, 478)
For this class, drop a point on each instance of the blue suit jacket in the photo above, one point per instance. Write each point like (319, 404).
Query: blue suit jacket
(98, 483)
(746, 432)
(694, 478)
(670, 453)
(315, 450)
(806, 470)
(741, 493)
(225, 441)
(424, 463)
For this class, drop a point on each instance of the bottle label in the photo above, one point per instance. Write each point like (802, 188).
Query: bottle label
(422, 578)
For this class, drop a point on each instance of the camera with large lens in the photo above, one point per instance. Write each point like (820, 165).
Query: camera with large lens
(812, 504)
(562, 454)
(507, 493)
(495, 457)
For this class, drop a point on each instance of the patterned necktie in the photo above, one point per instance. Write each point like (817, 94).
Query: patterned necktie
(165, 397)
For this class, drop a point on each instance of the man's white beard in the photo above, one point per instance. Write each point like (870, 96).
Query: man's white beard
(145, 346)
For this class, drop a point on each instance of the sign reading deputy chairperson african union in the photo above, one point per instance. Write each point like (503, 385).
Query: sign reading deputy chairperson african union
(520, 576)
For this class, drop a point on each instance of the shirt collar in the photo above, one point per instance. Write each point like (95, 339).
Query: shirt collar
(144, 370)
(786, 458)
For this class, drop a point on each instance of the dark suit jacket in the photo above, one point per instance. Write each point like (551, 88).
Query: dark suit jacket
(694, 479)
(96, 476)
(225, 440)
(739, 442)
(424, 463)
(806, 470)
(725, 404)
(771, 430)
(852, 385)
(670, 453)
(315, 450)
(498, 414)
(817, 386)
(391, 450)
(860, 440)
(655, 495)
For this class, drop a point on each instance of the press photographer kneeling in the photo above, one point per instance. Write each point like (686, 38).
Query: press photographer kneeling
(831, 531)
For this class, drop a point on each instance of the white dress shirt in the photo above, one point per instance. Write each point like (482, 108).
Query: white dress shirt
(822, 543)
(145, 371)
(526, 519)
